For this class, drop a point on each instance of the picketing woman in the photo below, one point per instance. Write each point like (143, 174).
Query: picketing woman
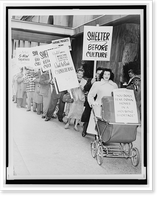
(77, 107)
(21, 90)
(100, 89)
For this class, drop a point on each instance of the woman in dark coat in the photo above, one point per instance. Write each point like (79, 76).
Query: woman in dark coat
(87, 110)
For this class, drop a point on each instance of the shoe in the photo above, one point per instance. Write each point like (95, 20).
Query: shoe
(28, 110)
(60, 120)
(67, 126)
(84, 134)
(47, 119)
(34, 110)
(43, 117)
(75, 128)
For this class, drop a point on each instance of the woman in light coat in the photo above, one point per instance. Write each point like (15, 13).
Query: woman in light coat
(77, 107)
(45, 91)
(21, 90)
(100, 89)
(37, 98)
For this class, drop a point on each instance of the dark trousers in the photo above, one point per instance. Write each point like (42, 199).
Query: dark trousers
(85, 125)
(61, 110)
(52, 107)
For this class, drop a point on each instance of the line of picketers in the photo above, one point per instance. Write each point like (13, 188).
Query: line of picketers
(35, 90)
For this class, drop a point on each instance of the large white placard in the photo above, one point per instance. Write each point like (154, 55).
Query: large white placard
(97, 43)
(43, 52)
(36, 62)
(63, 68)
(125, 106)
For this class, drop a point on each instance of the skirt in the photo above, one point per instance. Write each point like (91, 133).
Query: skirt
(92, 124)
(76, 110)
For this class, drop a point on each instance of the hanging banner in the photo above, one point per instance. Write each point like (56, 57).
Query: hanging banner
(125, 106)
(63, 68)
(62, 42)
(97, 43)
(23, 57)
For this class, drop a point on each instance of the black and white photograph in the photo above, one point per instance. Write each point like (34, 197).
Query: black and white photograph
(76, 94)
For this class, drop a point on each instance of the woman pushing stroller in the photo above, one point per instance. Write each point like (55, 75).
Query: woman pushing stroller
(100, 89)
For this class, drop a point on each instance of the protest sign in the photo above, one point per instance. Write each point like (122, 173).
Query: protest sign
(63, 68)
(125, 106)
(44, 56)
(13, 66)
(62, 42)
(97, 43)
(35, 58)
(23, 57)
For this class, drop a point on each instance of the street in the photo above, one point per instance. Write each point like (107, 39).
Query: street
(43, 148)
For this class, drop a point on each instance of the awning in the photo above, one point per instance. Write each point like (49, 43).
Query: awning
(45, 33)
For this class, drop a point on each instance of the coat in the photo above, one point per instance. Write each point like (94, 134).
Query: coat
(100, 89)
(44, 85)
(37, 97)
(20, 86)
(77, 107)
(87, 111)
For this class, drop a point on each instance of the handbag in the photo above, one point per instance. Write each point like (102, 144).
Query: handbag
(67, 98)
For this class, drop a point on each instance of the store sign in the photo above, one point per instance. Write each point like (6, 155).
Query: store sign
(97, 43)
(125, 106)
(62, 42)
(63, 68)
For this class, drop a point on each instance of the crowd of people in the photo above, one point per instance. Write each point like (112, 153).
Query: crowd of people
(37, 92)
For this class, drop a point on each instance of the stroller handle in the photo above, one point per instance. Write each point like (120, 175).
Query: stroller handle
(93, 111)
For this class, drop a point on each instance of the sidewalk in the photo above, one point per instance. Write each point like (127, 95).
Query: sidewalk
(46, 148)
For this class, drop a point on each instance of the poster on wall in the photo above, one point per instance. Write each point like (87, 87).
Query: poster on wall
(97, 43)
(125, 106)
(63, 68)
(62, 42)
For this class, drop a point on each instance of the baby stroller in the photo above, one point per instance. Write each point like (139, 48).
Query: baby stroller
(113, 140)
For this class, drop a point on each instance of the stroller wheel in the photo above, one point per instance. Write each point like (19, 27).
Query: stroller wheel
(93, 149)
(99, 155)
(135, 156)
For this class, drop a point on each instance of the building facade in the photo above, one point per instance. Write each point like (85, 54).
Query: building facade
(125, 51)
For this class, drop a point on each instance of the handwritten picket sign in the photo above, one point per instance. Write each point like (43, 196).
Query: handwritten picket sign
(43, 52)
(125, 106)
(62, 42)
(97, 43)
(23, 57)
(35, 58)
(63, 68)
